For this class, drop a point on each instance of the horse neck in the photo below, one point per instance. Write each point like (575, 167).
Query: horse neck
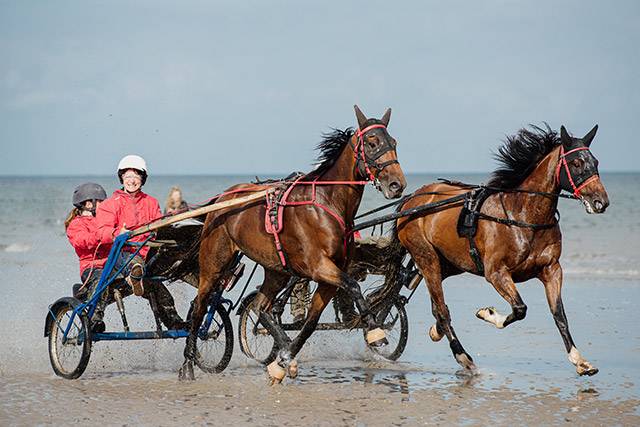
(343, 197)
(542, 179)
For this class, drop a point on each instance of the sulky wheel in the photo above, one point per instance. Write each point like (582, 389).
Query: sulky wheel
(69, 356)
(255, 341)
(215, 347)
(396, 328)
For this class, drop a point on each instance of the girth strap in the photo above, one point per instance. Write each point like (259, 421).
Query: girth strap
(274, 214)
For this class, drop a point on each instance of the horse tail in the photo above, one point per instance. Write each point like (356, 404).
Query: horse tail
(394, 253)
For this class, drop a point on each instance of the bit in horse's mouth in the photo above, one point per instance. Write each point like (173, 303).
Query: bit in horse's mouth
(587, 205)
(376, 184)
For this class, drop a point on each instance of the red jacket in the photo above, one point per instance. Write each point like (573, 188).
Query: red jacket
(124, 209)
(83, 236)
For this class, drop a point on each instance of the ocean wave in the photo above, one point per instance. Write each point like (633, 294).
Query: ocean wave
(608, 272)
(16, 247)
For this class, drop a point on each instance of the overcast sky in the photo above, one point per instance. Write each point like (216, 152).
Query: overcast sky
(249, 87)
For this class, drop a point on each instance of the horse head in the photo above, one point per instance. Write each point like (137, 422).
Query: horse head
(376, 158)
(577, 171)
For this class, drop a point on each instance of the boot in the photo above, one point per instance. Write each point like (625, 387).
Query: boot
(97, 325)
(344, 305)
(134, 279)
(167, 309)
(299, 298)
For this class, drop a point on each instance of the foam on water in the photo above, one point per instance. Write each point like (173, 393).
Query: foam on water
(15, 247)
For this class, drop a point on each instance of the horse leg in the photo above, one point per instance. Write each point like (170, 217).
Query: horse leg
(428, 262)
(503, 284)
(211, 268)
(436, 331)
(273, 282)
(319, 301)
(551, 277)
(328, 272)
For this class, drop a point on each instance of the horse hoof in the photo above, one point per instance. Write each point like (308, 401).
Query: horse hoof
(186, 372)
(485, 313)
(491, 315)
(586, 369)
(377, 338)
(274, 382)
(466, 362)
(434, 334)
(276, 372)
(292, 369)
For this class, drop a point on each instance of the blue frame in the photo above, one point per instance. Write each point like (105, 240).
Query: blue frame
(107, 278)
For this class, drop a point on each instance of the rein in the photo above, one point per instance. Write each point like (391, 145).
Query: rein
(451, 200)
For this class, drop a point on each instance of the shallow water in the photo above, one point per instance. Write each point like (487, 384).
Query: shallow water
(520, 368)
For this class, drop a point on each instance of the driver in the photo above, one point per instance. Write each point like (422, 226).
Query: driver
(127, 209)
(82, 232)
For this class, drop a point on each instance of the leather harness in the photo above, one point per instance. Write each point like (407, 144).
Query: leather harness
(279, 199)
(470, 214)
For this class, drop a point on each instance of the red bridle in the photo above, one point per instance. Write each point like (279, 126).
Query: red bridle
(563, 162)
(359, 149)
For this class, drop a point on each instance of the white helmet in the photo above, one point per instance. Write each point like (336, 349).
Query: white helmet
(133, 161)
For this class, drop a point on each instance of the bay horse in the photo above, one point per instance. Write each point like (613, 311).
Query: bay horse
(518, 236)
(316, 216)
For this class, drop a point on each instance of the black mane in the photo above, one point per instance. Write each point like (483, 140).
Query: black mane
(330, 149)
(521, 153)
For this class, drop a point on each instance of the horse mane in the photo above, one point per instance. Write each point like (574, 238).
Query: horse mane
(520, 154)
(330, 149)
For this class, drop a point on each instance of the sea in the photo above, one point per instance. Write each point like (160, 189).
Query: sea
(600, 258)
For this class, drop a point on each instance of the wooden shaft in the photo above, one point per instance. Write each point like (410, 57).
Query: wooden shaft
(197, 212)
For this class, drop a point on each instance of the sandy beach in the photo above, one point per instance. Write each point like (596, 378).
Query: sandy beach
(375, 397)
(523, 377)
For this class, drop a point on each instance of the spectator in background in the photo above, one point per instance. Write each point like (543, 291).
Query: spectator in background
(175, 204)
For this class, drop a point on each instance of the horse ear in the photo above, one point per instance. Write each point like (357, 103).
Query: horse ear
(588, 138)
(564, 136)
(386, 117)
(362, 119)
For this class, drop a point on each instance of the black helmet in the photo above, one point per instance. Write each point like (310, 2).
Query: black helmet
(87, 191)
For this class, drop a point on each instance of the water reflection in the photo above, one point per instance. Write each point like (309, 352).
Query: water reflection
(403, 381)
(397, 382)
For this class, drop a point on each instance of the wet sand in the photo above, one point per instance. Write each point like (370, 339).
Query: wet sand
(373, 397)
(523, 378)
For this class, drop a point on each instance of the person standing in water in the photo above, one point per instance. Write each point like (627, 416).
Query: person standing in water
(127, 209)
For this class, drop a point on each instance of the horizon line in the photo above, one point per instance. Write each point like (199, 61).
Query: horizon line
(71, 175)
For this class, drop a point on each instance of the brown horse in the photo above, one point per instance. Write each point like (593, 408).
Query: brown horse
(313, 242)
(517, 238)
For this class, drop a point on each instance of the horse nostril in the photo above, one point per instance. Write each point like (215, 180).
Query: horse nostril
(394, 186)
(598, 205)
